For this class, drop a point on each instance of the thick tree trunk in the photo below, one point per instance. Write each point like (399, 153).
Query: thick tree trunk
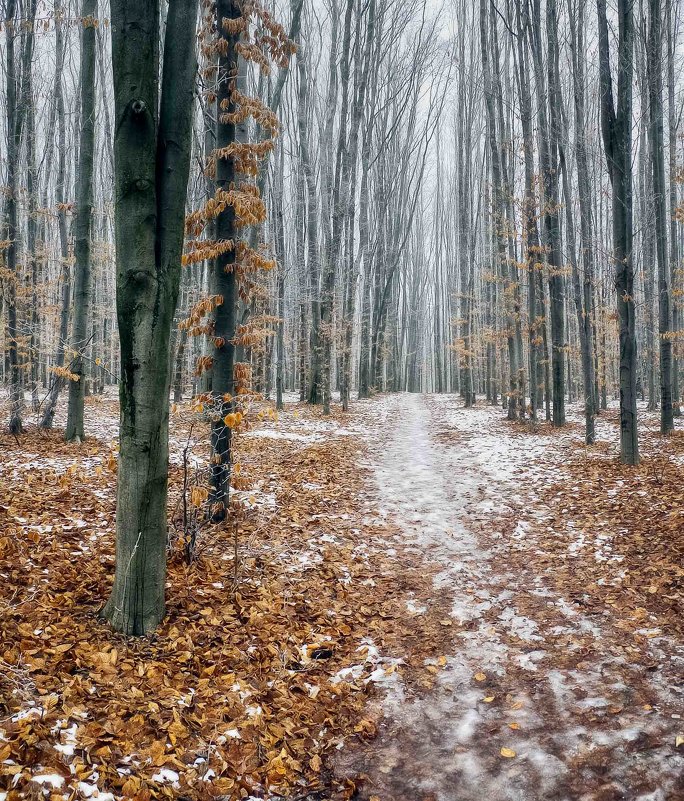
(152, 156)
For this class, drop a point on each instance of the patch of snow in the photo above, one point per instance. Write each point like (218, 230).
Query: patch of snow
(68, 736)
(93, 791)
(53, 779)
(347, 674)
(520, 626)
(415, 608)
(29, 712)
(166, 775)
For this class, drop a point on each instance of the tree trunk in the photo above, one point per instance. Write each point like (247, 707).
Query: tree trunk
(60, 194)
(551, 171)
(582, 289)
(533, 258)
(152, 156)
(616, 126)
(313, 265)
(84, 208)
(225, 276)
(11, 231)
(674, 249)
(657, 153)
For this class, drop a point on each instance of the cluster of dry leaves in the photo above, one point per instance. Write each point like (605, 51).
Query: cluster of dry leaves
(247, 688)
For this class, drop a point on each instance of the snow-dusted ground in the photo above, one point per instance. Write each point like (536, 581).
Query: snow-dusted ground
(531, 671)
(561, 691)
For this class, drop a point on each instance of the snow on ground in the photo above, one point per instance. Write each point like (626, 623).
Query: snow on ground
(532, 674)
(532, 670)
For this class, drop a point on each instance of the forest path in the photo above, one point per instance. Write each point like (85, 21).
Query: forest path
(542, 697)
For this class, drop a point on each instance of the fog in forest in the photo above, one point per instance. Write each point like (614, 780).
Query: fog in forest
(341, 385)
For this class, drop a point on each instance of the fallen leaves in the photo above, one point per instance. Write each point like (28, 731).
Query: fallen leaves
(237, 684)
(507, 753)
(617, 532)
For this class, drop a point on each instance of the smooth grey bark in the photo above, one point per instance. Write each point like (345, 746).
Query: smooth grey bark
(654, 72)
(60, 196)
(152, 158)
(321, 332)
(533, 255)
(84, 212)
(279, 225)
(616, 127)
(29, 110)
(313, 263)
(466, 237)
(511, 275)
(583, 288)
(499, 212)
(245, 307)
(646, 211)
(334, 181)
(42, 259)
(551, 170)
(361, 80)
(302, 349)
(548, 225)
(178, 366)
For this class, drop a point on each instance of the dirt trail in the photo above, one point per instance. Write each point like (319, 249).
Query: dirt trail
(540, 698)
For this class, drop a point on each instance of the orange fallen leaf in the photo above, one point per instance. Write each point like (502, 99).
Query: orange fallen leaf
(315, 763)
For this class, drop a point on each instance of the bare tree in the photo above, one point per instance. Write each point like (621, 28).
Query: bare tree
(152, 157)
(616, 126)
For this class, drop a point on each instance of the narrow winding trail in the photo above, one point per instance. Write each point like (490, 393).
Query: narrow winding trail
(541, 697)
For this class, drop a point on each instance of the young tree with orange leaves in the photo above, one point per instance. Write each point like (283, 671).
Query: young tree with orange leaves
(236, 205)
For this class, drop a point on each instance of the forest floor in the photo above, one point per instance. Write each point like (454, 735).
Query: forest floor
(428, 604)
